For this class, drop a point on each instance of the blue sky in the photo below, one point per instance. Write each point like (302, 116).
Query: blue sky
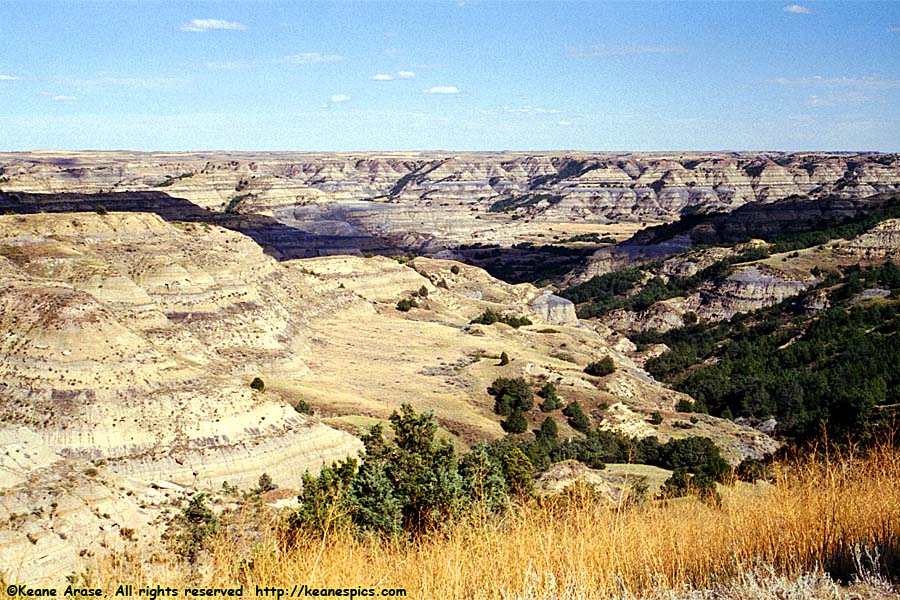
(458, 75)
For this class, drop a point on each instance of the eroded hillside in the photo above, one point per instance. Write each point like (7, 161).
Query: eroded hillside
(129, 344)
(142, 293)
(433, 202)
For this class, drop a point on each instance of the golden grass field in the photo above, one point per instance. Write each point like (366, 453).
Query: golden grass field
(765, 541)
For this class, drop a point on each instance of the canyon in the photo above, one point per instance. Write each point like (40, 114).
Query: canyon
(141, 294)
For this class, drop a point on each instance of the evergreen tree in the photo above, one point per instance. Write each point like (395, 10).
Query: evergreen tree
(376, 506)
(518, 472)
(424, 472)
(516, 422)
(549, 432)
(578, 419)
(483, 480)
(551, 399)
(510, 394)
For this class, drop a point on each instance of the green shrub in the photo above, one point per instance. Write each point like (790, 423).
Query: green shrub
(258, 384)
(549, 431)
(515, 422)
(377, 506)
(697, 455)
(514, 321)
(483, 480)
(454, 269)
(423, 292)
(504, 359)
(265, 484)
(752, 470)
(406, 304)
(196, 522)
(578, 419)
(682, 482)
(684, 405)
(551, 399)
(656, 418)
(490, 316)
(600, 368)
(326, 501)
(423, 470)
(411, 483)
(518, 469)
(100, 209)
(511, 394)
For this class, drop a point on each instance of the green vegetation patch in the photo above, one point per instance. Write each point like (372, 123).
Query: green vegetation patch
(489, 317)
(602, 294)
(524, 201)
(831, 369)
(849, 229)
(236, 201)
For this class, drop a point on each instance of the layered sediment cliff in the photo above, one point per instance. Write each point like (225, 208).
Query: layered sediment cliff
(429, 201)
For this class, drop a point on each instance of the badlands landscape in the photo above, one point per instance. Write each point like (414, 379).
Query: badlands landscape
(143, 293)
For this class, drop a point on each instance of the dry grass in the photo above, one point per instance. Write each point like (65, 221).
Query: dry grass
(813, 521)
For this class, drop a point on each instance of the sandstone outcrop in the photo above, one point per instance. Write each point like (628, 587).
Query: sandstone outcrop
(765, 221)
(554, 309)
(880, 242)
(747, 290)
(429, 202)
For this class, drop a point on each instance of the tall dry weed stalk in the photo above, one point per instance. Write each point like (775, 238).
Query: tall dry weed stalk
(814, 518)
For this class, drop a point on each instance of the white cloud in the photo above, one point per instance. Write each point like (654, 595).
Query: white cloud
(212, 25)
(65, 98)
(138, 83)
(625, 50)
(893, 29)
(797, 9)
(8, 78)
(868, 82)
(229, 64)
(565, 123)
(338, 98)
(393, 76)
(837, 98)
(442, 89)
(311, 58)
(531, 110)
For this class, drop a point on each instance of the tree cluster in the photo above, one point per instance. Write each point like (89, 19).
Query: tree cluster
(411, 484)
(830, 369)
